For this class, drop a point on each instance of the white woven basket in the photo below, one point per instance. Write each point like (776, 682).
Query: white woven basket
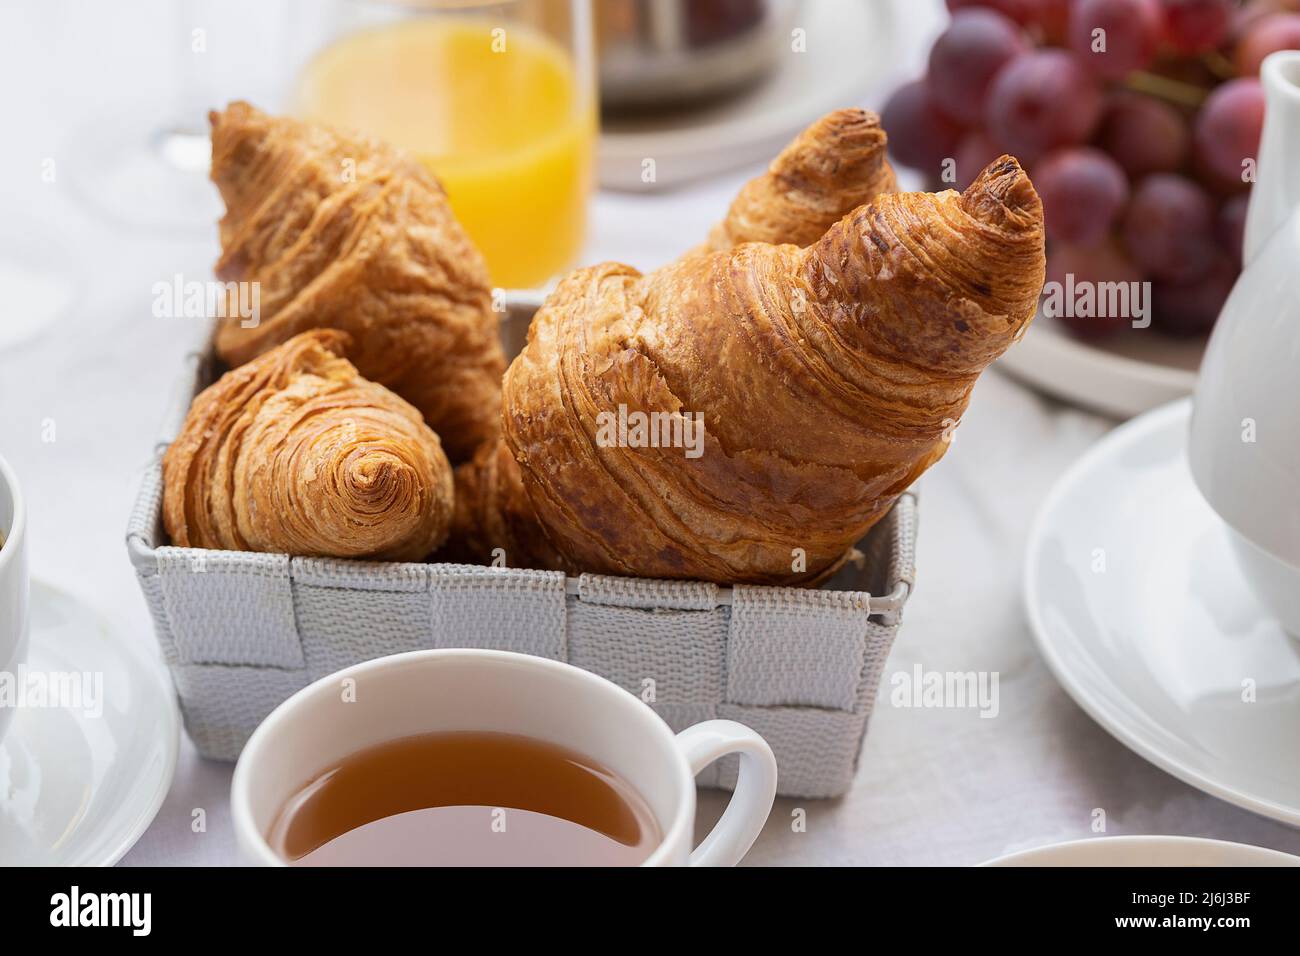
(242, 631)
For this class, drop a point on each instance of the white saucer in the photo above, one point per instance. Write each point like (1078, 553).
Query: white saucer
(76, 788)
(851, 47)
(1122, 376)
(1147, 851)
(1157, 646)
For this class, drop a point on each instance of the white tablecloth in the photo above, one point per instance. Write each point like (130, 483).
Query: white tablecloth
(934, 786)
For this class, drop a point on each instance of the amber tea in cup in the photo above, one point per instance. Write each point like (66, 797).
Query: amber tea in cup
(465, 799)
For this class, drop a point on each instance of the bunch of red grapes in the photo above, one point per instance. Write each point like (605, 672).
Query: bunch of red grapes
(1138, 120)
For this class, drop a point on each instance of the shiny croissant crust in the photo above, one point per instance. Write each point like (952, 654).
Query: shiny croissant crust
(828, 379)
(828, 170)
(347, 233)
(296, 453)
(832, 167)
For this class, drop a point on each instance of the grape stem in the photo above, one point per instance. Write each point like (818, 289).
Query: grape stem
(1162, 87)
(1219, 65)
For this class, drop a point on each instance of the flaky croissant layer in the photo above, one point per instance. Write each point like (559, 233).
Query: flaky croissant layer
(296, 453)
(347, 233)
(828, 379)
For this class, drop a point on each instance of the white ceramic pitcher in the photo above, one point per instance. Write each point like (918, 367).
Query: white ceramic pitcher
(1244, 447)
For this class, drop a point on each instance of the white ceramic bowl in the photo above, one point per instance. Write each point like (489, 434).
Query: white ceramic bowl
(1147, 851)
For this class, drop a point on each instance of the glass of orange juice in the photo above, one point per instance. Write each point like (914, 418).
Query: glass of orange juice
(497, 98)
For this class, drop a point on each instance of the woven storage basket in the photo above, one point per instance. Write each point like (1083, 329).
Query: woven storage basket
(241, 631)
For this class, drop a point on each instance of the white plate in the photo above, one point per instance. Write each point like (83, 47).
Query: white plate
(1125, 375)
(1161, 646)
(851, 47)
(1147, 851)
(79, 788)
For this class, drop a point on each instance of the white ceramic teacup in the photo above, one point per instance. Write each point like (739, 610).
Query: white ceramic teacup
(480, 690)
(13, 581)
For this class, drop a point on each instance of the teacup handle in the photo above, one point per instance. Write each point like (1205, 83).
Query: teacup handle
(742, 821)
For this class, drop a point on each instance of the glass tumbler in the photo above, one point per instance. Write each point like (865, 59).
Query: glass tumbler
(497, 98)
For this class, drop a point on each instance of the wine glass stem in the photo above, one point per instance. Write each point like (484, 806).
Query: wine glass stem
(182, 140)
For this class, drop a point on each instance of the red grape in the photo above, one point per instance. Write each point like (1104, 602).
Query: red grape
(1196, 26)
(1169, 227)
(1104, 263)
(1144, 135)
(974, 153)
(1050, 16)
(1129, 36)
(1277, 31)
(1019, 10)
(1083, 191)
(1053, 18)
(919, 136)
(1228, 128)
(1252, 11)
(1230, 228)
(1041, 100)
(1190, 308)
(964, 60)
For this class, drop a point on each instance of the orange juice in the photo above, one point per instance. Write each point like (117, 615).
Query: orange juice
(497, 111)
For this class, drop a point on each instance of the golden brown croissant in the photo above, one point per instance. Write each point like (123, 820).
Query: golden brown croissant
(347, 233)
(826, 380)
(833, 167)
(296, 453)
(493, 522)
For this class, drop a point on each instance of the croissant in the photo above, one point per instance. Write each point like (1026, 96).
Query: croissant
(493, 521)
(791, 394)
(832, 167)
(347, 233)
(296, 453)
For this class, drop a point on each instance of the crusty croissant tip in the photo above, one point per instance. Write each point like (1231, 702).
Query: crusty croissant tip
(850, 122)
(1001, 192)
(235, 109)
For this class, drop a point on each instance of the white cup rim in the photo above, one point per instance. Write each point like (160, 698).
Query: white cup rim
(1280, 72)
(14, 535)
(675, 832)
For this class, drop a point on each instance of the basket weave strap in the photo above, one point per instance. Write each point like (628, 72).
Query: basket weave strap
(230, 607)
(522, 611)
